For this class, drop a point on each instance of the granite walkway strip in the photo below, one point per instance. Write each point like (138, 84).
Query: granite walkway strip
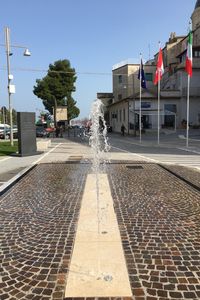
(98, 265)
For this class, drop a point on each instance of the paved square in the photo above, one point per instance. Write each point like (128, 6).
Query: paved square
(158, 217)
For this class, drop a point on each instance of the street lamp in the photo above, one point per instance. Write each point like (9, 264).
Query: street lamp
(11, 87)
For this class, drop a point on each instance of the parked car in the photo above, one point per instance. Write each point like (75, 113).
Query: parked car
(50, 129)
(5, 133)
(41, 132)
(4, 127)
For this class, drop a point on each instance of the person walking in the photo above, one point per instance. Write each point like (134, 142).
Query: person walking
(123, 129)
(61, 131)
(57, 131)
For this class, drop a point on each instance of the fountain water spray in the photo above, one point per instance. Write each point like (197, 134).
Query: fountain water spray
(99, 144)
(92, 268)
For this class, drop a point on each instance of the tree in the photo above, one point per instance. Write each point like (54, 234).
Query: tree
(56, 87)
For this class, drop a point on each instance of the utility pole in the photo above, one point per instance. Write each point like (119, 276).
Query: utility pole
(11, 87)
(10, 77)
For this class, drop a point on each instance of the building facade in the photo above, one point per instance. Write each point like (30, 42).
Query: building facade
(124, 105)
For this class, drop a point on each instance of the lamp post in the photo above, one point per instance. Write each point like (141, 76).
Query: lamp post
(11, 87)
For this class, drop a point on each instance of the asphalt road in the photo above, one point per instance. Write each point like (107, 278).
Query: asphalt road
(171, 149)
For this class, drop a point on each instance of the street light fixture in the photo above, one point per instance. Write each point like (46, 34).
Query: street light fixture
(27, 52)
(11, 87)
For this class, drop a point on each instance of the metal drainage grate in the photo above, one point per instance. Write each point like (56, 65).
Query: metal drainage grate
(134, 167)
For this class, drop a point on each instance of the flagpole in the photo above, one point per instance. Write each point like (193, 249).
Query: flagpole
(140, 121)
(159, 103)
(188, 90)
(188, 112)
(159, 108)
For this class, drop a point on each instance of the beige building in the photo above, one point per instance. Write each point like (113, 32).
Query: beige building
(123, 105)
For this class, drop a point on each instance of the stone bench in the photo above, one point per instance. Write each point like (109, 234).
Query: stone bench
(43, 145)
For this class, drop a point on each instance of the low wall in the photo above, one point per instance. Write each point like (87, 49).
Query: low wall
(43, 144)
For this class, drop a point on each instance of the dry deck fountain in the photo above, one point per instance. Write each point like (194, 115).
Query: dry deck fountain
(98, 265)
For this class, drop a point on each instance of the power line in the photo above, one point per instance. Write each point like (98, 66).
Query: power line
(65, 72)
(60, 72)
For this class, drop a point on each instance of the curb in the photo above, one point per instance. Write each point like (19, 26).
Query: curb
(6, 186)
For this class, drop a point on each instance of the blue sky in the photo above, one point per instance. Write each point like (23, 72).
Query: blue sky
(93, 34)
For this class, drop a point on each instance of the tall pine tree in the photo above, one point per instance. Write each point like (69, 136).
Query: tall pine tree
(55, 89)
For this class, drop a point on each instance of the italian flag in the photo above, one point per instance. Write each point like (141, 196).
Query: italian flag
(188, 64)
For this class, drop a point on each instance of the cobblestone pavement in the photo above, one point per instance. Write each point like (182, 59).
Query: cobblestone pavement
(158, 217)
(159, 221)
(38, 217)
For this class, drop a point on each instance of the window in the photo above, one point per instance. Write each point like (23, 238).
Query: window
(183, 57)
(114, 115)
(149, 76)
(117, 115)
(198, 117)
(145, 105)
(120, 78)
(124, 115)
(120, 97)
(169, 117)
(196, 53)
(120, 115)
(170, 107)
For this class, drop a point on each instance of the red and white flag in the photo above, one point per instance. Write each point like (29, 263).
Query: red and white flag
(159, 68)
(188, 63)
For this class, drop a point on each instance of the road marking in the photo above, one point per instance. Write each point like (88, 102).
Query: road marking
(47, 153)
(189, 150)
(6, 158)
(135, 154)
(191, 161)
(98, 267)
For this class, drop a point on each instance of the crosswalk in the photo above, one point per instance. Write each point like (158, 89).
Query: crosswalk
(183, 160)
(177, 156)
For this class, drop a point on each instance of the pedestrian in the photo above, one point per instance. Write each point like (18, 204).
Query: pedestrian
(57, 131)
(123, 129)
(61, 131)
(88, 126)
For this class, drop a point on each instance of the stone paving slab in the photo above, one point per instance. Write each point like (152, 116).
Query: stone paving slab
(159, 223)
(97, 265)
(100, 298)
